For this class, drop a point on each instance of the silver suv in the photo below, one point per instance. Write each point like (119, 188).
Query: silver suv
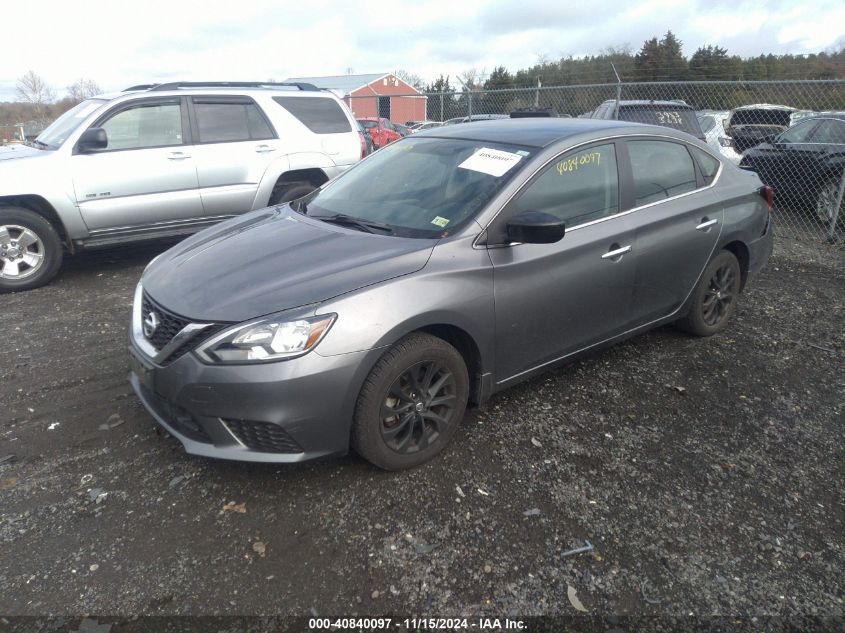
(162, 160)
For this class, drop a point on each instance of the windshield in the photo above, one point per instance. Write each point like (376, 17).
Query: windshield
(420, 187)
(58, 131)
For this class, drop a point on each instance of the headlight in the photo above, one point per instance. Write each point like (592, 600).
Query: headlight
(266, 340)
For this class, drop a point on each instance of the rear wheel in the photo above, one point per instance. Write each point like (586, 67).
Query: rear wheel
(714, 298)
(30, 250)
(411, 403)
(826, 203)
(288, 191)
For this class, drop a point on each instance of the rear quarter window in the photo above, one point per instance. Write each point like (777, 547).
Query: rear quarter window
(708, 165)
(319, 114)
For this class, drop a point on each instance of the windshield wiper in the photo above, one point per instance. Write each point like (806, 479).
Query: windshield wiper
(36, 143)
(347, 220)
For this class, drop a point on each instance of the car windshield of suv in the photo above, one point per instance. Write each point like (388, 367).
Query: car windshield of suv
(678, 118)
(419, 187)
(58, 131)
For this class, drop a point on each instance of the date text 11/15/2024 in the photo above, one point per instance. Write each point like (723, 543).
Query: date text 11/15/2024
(415, 624)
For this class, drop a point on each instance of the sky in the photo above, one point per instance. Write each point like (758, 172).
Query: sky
(258, 40)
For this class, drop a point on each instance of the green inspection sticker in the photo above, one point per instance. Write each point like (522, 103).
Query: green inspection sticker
(441, 222)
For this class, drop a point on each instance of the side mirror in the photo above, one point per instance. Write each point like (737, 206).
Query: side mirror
(93, 138)
(535, 227)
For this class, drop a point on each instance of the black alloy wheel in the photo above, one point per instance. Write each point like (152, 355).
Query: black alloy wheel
(419, 406)
(714, 298)
(411, 403)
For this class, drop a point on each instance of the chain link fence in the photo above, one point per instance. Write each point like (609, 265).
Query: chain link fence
(21, 132)
(792, 133)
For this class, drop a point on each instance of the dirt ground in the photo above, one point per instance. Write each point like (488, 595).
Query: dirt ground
(708, 474)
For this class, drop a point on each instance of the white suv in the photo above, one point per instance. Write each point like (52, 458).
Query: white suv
(161, 160)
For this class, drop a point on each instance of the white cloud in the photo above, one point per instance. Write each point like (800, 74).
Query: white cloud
(118, 45)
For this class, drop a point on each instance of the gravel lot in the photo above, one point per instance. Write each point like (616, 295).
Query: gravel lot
(707, 473)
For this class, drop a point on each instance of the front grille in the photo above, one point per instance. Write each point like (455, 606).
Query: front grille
(169, 324)
(263, 436)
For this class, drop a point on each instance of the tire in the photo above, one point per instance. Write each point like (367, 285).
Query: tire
(397, 427)
(286, 192)
(714, 298)
(826, 201)
(30, 250)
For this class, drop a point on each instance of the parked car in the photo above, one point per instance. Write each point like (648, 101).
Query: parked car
(381, 130)
(428, 125)
(413, 125)
(804, 164)
(366, 139)
(404, 130)
(674, 114)
(752, 124)
(474, 118)
(446, 267)
(713, 125)
(163, 160)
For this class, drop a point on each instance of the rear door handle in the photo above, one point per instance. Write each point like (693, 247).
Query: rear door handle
(617, 252)
(706, 224)
(263, 149)
(178, 156)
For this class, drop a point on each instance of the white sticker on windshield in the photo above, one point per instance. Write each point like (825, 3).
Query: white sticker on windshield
(491, 161)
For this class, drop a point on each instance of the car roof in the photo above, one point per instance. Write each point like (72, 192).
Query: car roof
(764, 106)
(539, 131)
(647, 102)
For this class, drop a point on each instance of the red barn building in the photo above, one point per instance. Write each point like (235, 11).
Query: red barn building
(374, 95)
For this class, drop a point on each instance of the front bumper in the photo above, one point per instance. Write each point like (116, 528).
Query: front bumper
(289, 411)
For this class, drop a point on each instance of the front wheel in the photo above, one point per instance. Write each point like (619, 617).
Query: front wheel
(30, 250)
(714, 298)
(411, 403)
(826, 203)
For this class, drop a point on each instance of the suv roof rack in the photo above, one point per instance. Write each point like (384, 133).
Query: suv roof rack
(174, 85)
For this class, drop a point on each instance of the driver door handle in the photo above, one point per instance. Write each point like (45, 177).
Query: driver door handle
(618, 252)
(706, 224)
(262, 149)
(178, 156)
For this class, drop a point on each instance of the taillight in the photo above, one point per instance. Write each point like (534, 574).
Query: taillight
(363, 144)
(768, 192)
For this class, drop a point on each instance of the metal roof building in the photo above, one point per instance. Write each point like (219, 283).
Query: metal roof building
(374, 94)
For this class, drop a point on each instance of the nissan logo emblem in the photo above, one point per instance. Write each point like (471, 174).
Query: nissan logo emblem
(150, 324)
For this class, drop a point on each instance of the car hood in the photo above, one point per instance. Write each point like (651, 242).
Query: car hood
(8, 152)
(272, 260)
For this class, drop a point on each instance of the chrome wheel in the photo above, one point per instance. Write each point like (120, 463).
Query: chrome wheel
(419, 407)
(21, 252)
(826, 202)
(720, 294)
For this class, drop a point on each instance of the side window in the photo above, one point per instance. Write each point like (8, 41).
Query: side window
(707, 123)
(661, 170)
(321, 115)
(220, 122)
(800, 133)
(708, 165)
(578, 187)
(830, 131)
(145, 125)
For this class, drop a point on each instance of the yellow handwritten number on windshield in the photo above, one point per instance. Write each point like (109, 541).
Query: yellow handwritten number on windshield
(569, 165)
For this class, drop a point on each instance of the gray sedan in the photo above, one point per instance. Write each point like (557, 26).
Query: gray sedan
(445, 267)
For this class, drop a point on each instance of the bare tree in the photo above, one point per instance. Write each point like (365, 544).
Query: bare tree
(83, 89)
(472, 78)
(410, 78)
(32, 88)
